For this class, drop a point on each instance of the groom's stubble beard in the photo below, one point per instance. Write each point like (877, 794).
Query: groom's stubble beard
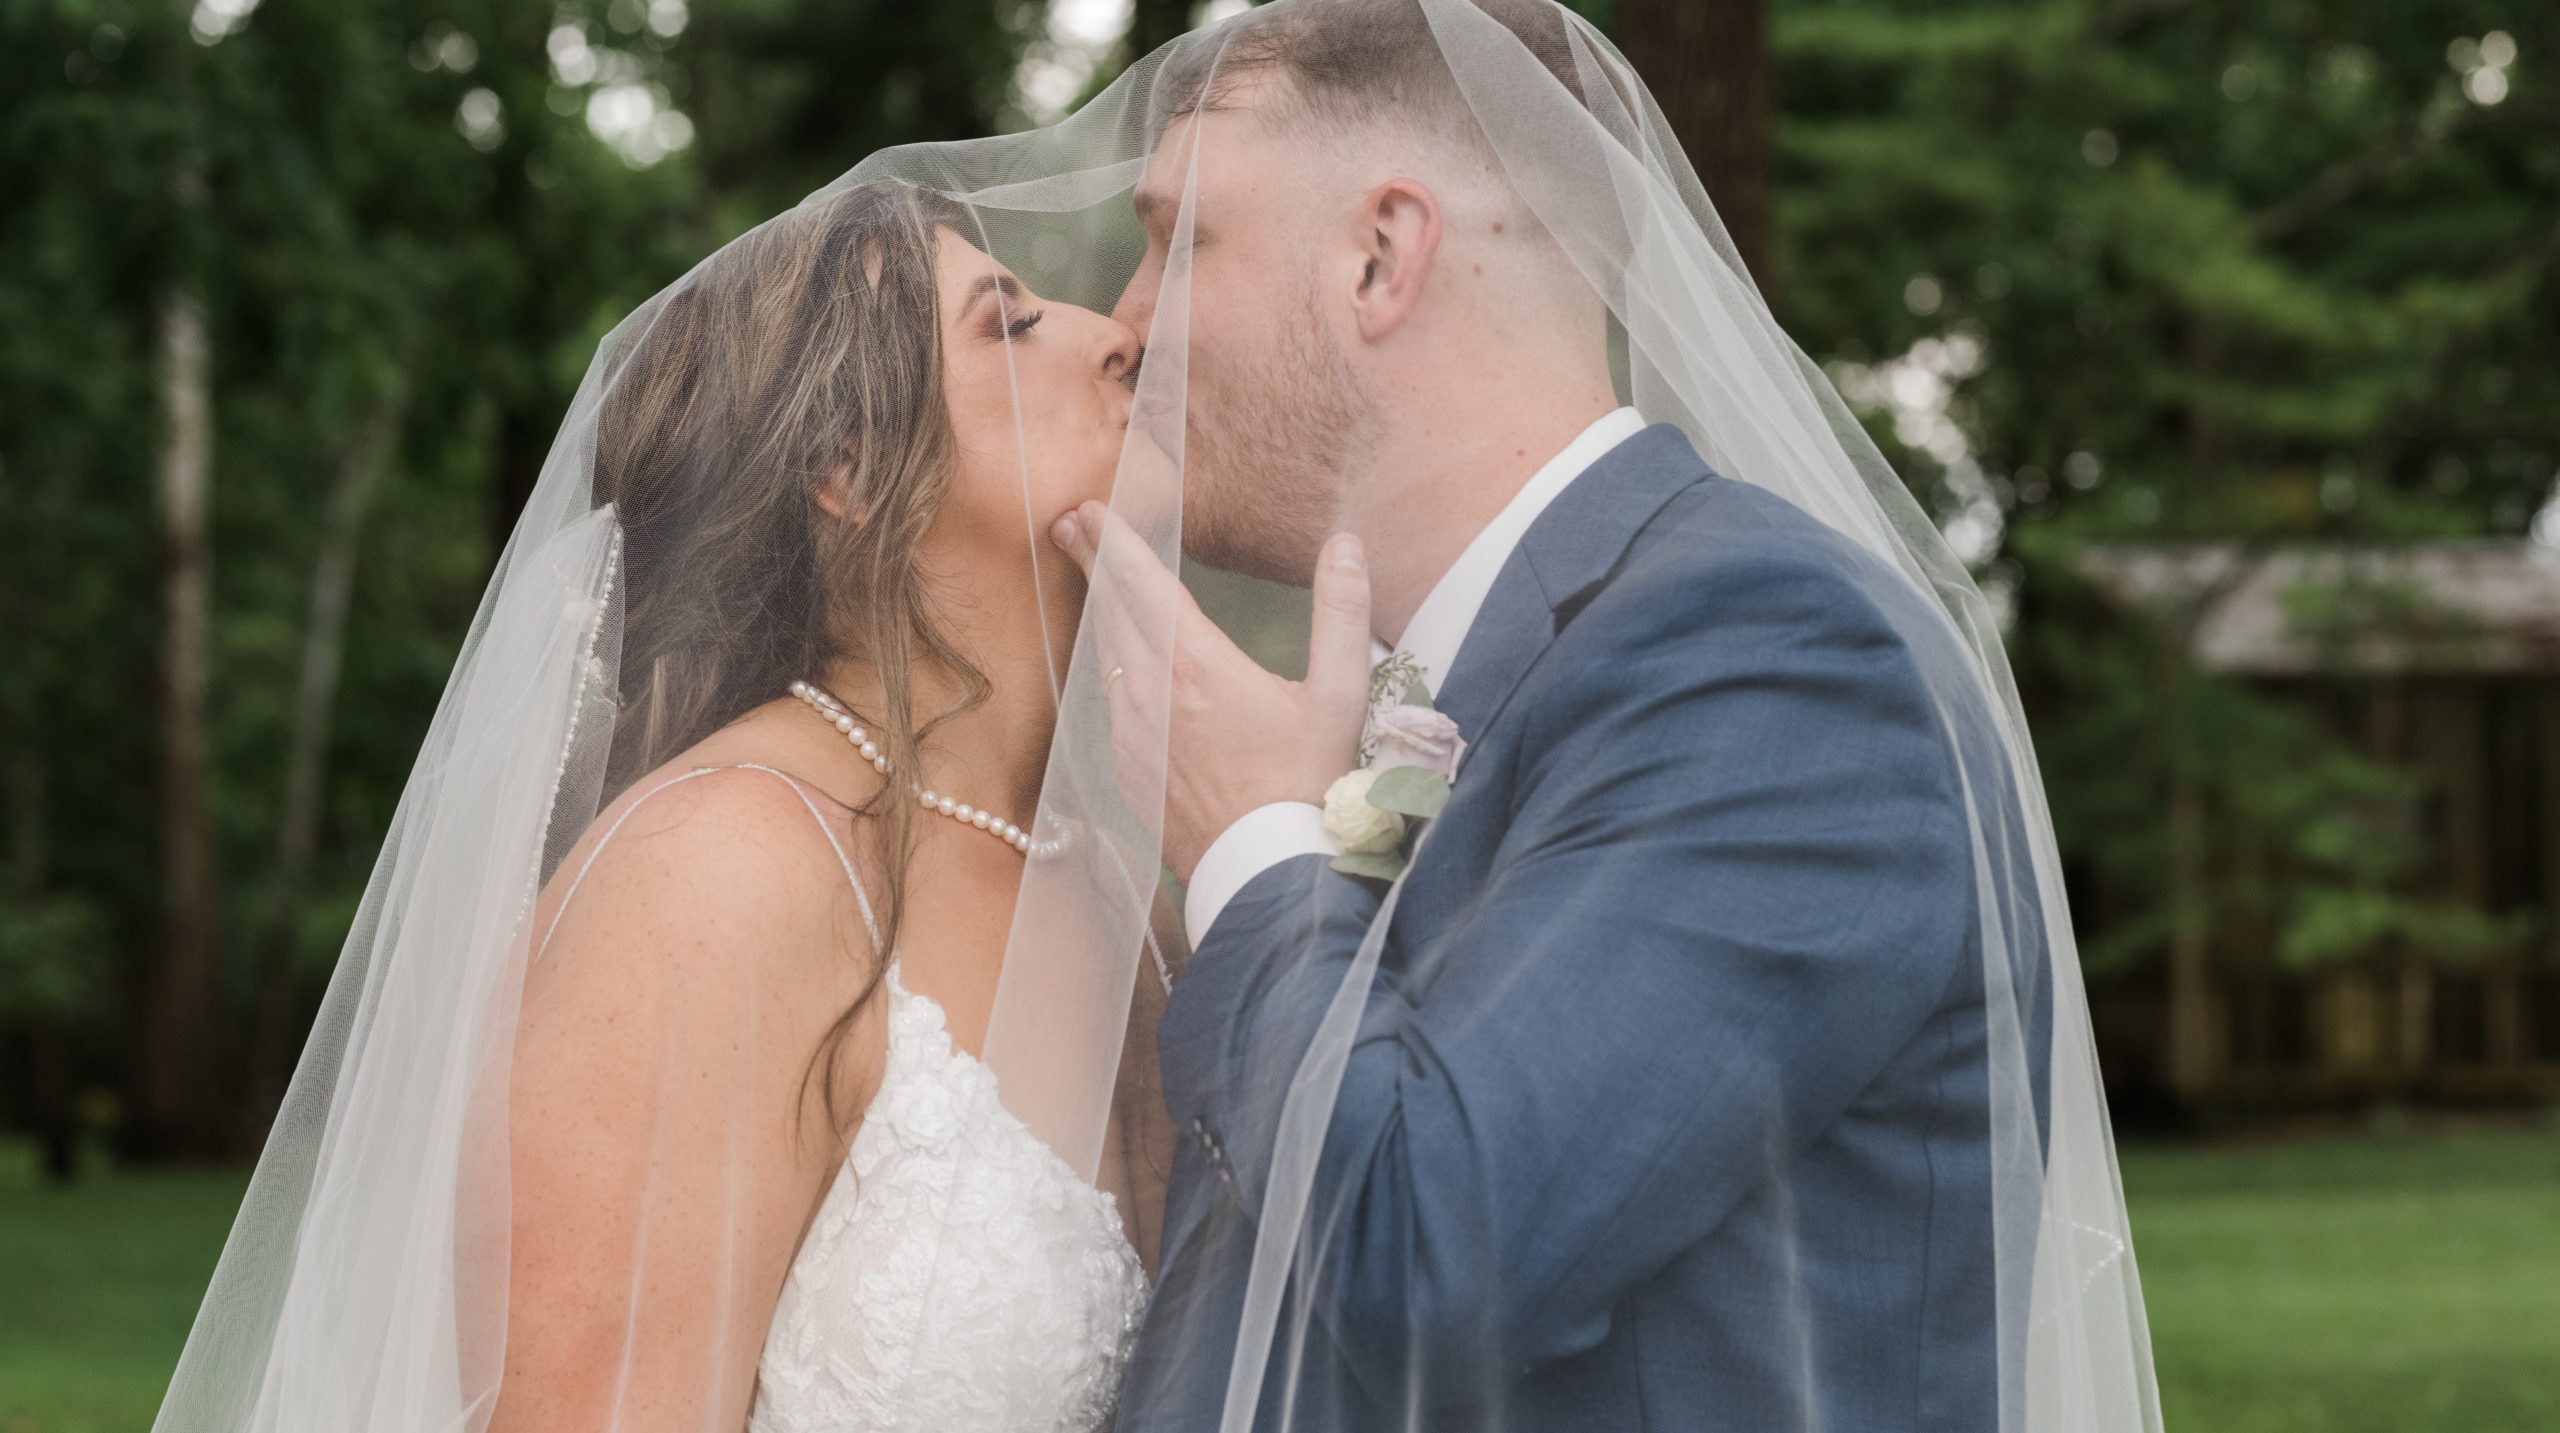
(1275, 429)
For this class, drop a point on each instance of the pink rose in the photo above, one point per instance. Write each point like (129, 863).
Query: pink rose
(1416, 736)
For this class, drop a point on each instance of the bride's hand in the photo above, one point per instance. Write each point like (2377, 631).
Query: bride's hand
(1239, 737)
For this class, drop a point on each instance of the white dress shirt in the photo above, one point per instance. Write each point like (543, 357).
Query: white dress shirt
(1267, 835)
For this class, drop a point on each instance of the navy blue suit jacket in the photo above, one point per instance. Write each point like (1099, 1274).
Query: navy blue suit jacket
(1668, 1105)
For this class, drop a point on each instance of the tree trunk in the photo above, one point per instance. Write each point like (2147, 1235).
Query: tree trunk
(48, 1052)
(1707, 63)
(2191, 1053)
(524, 442)
(174, 1021)
(1153, 22)
(306, 760)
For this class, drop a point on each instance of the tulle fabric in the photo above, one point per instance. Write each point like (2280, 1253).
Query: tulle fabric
(1597, 164)
(365, 1283)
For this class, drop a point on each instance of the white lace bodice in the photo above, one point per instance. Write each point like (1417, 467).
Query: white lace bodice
(959, 1276)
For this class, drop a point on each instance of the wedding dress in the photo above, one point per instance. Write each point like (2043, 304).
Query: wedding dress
(958, 1276)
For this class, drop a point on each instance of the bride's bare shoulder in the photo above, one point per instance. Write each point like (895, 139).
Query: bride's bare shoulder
(721, 863)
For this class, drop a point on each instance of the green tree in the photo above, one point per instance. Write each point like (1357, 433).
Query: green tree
(2147, 270)
(407, 222)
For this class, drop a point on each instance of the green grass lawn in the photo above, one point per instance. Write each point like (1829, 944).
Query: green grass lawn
(2381, 1283)
(2405, 1284)
(98, 1284)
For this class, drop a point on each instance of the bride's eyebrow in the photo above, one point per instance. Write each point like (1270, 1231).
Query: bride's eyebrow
(985, 284)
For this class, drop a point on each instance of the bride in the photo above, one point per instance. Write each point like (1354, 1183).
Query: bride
(824, 632)
(649, 1092)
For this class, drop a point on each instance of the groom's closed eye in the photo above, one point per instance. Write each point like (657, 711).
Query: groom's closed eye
(1155, 212)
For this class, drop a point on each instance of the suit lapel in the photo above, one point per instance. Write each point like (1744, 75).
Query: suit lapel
(1572, 546)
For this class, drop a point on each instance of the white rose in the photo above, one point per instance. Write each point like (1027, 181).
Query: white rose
(1416, 736)
(1356, 827)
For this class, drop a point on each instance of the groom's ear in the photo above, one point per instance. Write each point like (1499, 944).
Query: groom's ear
(1399, 237)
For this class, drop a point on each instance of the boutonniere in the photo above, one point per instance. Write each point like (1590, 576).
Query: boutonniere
(1409, 754)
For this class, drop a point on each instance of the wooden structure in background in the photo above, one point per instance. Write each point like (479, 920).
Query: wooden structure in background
(2441, 660)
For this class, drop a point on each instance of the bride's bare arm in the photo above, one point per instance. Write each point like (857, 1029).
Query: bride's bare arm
(666, 1153)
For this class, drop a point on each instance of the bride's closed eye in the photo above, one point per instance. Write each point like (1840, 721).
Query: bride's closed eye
(1021, 325)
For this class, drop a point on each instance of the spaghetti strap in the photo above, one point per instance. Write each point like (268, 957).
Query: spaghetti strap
(861, 898)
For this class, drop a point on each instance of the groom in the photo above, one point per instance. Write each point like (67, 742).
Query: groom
(1668, 1106)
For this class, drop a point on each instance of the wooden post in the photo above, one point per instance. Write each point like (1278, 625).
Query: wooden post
(2508, 799)
(2546, 722)
(2459, 749)
(2503, 990)
(2547, 729)
(2350, 1038)
(2455, 752)
(2417, 1016)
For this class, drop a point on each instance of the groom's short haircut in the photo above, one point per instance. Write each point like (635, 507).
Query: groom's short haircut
(1350, 65)
(1350, 73)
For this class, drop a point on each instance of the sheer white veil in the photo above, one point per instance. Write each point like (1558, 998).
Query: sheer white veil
(364, 1285)
(1576, 135)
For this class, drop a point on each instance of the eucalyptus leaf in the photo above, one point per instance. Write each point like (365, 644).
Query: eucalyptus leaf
(1377, 868)
(1410, 790)
(1417, 693)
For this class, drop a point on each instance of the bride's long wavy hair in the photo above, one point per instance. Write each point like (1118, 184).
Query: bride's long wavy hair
(806, 354)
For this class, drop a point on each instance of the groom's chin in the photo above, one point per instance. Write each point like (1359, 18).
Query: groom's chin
(1209, 546)
(1301, 576)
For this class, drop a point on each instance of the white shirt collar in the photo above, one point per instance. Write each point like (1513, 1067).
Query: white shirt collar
(1440, 624)
(1283, 829)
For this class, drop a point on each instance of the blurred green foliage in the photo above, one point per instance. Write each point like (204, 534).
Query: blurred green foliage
(51, 959)
(2254, 271)
(2237, 252)
(430, 207)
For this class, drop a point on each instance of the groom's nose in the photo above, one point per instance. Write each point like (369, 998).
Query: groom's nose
(1137, 306)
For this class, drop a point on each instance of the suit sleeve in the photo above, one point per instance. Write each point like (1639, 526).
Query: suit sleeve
(1734, 883)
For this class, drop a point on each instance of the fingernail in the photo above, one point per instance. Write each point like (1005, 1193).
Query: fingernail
(1063, 531)
(1346, 554)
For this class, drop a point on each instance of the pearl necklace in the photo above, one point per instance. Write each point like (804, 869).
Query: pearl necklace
(980, 818)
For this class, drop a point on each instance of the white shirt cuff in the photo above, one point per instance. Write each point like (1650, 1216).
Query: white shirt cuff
(1261, 839)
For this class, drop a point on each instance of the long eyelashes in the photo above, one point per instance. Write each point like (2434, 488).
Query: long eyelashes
(1024, 324)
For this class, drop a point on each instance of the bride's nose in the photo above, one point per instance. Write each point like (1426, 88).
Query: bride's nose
(1115, 347)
